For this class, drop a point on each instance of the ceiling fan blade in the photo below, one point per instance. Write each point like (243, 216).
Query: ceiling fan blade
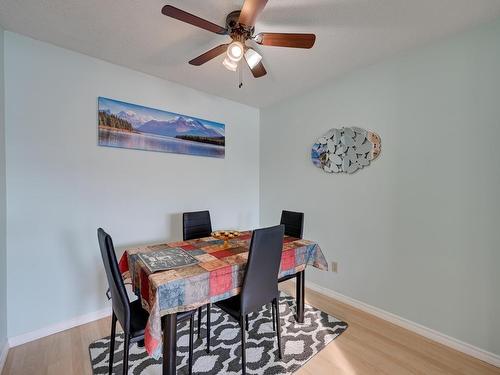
(179, 14)
(250, 11)
(286, 40)
(259, 70)
(209, 55)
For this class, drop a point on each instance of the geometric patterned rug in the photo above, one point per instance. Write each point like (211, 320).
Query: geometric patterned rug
(300, 343)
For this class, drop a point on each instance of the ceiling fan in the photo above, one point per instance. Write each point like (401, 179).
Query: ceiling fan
(240, 27)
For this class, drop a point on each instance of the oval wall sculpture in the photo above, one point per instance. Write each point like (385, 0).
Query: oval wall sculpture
(345, 150)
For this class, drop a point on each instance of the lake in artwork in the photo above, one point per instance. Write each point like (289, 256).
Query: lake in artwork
(126, 125)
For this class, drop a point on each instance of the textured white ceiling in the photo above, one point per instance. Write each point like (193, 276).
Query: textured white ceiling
(350, 34)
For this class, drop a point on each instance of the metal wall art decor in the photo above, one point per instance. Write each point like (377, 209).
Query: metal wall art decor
(345, 150)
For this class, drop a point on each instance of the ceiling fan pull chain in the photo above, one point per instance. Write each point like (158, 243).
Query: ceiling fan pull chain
(240, 73)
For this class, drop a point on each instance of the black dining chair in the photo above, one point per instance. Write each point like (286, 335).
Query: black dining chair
(131, 315)
(293, 222)
(260, 283)
(294, 227)
(197, 224)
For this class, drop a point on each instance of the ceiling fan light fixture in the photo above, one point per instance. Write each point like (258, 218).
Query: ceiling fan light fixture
(235, 51)
(230, 64)
(252, 57)
(240, 27)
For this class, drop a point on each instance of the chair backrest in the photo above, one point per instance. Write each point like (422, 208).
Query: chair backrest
(293, 222)
(260, 283)
(119, 297)
(196, 225)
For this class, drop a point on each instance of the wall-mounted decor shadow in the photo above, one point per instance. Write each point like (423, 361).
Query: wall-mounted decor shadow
(126, 125)
(345, 150)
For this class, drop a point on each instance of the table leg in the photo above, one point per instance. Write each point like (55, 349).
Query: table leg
(169, 344)
(299, 299)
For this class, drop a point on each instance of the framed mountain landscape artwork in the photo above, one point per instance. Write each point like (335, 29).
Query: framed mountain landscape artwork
(133, 126)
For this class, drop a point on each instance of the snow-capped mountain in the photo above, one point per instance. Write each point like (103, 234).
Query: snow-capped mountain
(178, 126)
(133, 118)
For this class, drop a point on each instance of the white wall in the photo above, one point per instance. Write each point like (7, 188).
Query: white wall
(61, 186)
(3, 223)
(417, 233)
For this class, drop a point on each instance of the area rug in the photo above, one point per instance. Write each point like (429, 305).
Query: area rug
(300, 343)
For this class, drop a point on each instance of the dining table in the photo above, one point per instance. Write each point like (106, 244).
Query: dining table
(217, 275)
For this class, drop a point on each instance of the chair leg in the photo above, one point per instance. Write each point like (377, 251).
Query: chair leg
(191, 334)
(274, 317)
(246, 323)
(278, 326)
(199, 320)
(126, 347)
(112, 343)
(243, 346)
(208, 327)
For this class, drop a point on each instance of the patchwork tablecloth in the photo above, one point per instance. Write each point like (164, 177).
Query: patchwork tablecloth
(217, 276)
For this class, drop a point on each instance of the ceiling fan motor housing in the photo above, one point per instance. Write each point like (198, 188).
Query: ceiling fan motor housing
(236, 30)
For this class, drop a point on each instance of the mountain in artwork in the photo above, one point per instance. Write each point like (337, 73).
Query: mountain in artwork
(179, 126)
(133, 118)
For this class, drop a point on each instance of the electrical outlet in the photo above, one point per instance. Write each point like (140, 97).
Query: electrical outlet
(335, 267)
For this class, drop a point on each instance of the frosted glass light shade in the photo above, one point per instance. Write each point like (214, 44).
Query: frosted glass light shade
(252, 57)
(235, 51)
(230, 64)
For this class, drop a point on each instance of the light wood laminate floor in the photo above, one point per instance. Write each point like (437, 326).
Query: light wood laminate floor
(369, 346)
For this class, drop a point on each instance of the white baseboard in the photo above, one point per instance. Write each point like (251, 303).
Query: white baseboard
(58, 327)
(3, 355)
(429, 333)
